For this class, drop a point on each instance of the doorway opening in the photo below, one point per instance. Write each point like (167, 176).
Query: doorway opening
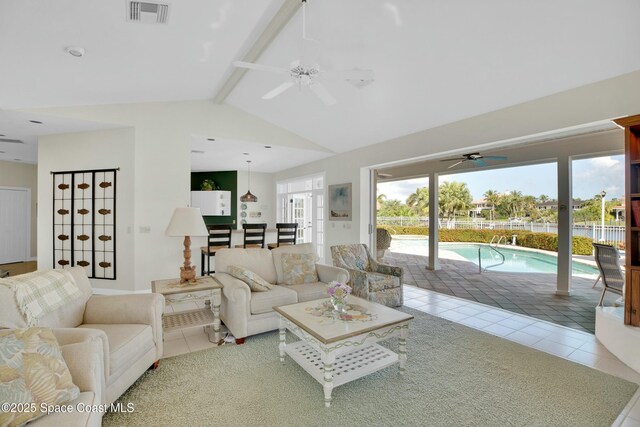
(301, 200)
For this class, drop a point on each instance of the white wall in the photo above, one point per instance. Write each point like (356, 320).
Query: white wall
(262, 186)
(161, 159)
(14, 174)
(163, 138)
(90, 150)
(603, 100)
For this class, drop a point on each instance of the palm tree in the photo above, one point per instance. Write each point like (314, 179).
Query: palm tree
(453, 196)
(492, 197)
(512, 203)
(380, 200)
(419, 201)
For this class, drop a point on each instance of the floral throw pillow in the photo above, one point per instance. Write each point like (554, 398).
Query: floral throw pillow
(255, 282)
(299, 268)
(32, 373)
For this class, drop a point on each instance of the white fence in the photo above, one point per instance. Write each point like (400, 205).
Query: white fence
(610, 234)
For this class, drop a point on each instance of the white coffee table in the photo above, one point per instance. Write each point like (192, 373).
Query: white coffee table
(336, 350)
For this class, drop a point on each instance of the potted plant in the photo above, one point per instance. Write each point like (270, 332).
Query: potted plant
(208, 185)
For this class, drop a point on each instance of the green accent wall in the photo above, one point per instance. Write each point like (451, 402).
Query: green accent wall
(226, 180)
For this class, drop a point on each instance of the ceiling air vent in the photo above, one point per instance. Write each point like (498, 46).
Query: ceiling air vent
(151, 13)
(12, 141)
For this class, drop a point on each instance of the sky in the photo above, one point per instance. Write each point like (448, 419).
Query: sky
(590, 177)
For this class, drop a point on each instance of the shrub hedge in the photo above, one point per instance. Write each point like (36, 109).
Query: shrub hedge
(527, 239)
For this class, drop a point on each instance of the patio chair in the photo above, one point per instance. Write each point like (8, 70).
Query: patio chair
(383, 242)
(369, 279)
(607, 258)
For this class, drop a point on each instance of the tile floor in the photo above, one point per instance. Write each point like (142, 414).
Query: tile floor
(532, 294)
(571, 344)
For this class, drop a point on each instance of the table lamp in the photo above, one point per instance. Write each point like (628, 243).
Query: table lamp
(187, 222)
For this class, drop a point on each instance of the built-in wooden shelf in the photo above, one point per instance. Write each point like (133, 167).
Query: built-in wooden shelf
(631, 126)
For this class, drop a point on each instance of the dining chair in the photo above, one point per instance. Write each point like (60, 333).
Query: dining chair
(287, 232)
(219, 238)
(608, 261)
(253, 235)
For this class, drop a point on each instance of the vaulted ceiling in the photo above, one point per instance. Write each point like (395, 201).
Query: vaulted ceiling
(434, 61)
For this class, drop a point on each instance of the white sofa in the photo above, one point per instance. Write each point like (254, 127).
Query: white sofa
(247, 313)
(129, 328)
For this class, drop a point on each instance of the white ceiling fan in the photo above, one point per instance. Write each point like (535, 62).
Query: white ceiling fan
(308, 76)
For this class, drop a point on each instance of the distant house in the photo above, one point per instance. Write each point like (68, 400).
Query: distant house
(477, 206)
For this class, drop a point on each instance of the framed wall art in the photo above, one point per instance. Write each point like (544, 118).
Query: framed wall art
(340, 202)
(84, 221)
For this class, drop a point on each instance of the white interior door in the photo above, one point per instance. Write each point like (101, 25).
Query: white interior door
(301, 214)
(14, 225)
(301, 200)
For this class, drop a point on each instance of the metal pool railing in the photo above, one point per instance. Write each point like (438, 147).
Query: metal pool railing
(493, 245)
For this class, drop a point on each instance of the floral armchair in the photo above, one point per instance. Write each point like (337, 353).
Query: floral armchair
(369, 279)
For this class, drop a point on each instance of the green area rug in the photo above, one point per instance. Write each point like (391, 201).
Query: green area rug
(456, 376)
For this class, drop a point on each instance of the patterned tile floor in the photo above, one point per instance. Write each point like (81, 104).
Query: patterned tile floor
(577, 346)
(532, 294)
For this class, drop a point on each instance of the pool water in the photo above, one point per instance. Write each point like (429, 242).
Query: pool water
(516, 261)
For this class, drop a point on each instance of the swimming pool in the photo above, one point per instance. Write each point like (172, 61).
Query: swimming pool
(516, 261)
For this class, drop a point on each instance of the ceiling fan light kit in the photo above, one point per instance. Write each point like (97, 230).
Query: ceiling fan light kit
(304, 76)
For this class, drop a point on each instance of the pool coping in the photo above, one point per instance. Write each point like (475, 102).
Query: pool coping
(575, 258)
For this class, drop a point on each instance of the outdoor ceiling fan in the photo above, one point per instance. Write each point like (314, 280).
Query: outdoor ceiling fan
(303, 75)
(476, 158)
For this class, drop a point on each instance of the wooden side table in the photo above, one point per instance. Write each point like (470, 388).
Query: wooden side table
(206, 289)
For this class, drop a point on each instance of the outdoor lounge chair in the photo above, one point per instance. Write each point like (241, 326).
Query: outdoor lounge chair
(607, 259)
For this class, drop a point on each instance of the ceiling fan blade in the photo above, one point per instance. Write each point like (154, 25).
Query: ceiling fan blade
(322, 93)
(456, 164)
(278, 90)
(354, 74)
(479, 162)
(495, 157)
(260, 67)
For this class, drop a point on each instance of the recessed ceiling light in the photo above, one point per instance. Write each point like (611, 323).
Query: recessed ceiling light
(2, 152)
(17, 160)
(2, 134)
(211, 139)
(36, 122)
(246, 154)
(197, 151)
(76, 51)
(267, 146)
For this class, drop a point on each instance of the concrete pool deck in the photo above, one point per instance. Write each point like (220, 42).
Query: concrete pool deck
(532, 294)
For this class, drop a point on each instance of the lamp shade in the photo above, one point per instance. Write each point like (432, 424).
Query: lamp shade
(187, 222)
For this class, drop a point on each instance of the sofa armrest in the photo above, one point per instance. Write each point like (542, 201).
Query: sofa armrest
(144, 309)
(329, 273)
(234, 290)
(86, 365)
(69, 336)
(236, 304)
